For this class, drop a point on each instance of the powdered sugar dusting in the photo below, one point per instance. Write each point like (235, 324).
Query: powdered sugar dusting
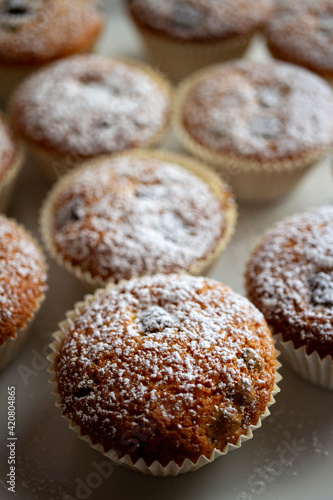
(267, 111)
(22, 278)
(172, 350)
(302, 31)
(131, 216)
(201, 19)
(89, 105)
(290, 279)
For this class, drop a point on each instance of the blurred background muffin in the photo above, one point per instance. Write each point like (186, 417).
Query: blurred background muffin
(34, 32)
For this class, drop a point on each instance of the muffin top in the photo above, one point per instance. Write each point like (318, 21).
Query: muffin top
(166, 368)
(290, 279)
(200, 19)
(302, 32)
(89, 105)
(257, 111)
(133, 215)
(37, 31)
(22, 278)
(8, 149)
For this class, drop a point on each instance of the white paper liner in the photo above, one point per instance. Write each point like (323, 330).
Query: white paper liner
(178, 58)
(156, 468)
(54, 164)
(8, 182)
(251, 180)
(12, 346)
(311, 367)
(202, 266)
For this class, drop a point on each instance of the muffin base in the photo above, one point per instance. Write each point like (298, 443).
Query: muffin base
(310, 367)
(8, 182)
(156, 468)
(178, 58)
(201, 267)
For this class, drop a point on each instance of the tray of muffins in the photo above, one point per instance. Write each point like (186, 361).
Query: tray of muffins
(166, 249)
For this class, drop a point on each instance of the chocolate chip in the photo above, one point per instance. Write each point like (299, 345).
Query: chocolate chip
(321, 287)
(243, 394)
(82, 392)
(155, 319)
(252, 359)
(70, 212)
(186, 16)
(16, 8)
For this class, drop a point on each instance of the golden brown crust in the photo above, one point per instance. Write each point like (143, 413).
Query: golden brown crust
(301, 32)
(200, 20)
(39, 31)
(166, 368)
(22, 278)
(257, 112)
(138, 213)
(85, 106)
(290, 279)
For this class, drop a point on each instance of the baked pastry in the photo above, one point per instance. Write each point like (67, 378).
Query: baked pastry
(164, 373)
(11, 159)
(186, 35)
(137, 213)
(261, 124)
(301, 32)
(86, 106)
(34, 32)
(22, 286)
(290, 279)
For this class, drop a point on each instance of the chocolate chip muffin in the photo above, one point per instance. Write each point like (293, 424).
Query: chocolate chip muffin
(290, 279)
(169, 368)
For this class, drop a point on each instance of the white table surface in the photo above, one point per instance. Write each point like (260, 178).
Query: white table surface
(290, 457)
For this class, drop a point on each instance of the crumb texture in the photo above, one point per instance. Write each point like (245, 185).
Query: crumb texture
(290, 279)
(167, 368)
(201, 19)
(131, 216)
(259, 111)
(22, 278)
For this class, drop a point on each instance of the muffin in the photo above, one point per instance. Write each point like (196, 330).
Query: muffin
(184, 36)
(262, 125)
(301, 32)
(164, 374)
(137, 213)
(35, 32)
(22, 286)
(189, 34)
(11, 159)
(290, 279)
(87, 106)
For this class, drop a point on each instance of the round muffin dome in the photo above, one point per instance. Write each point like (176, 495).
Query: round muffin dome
(138, 213)
(22, 278)
(200, 20)
(290, 279)
(165, 368)
(38, 31)
(301, 32)
(260, 112)
(85, 106)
